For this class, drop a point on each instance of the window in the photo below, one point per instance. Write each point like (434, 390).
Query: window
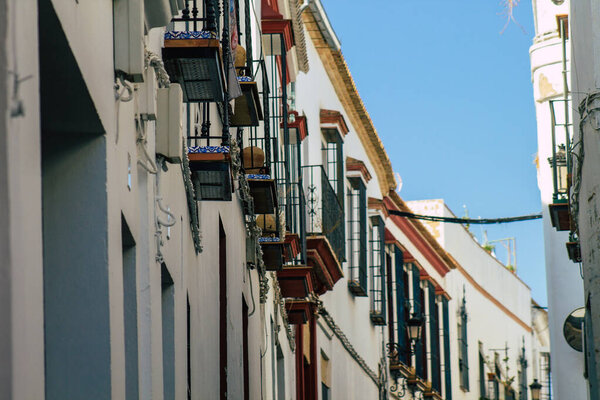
(509, 393)
(189, 348)
(418, 310)
(402, 311)
(447, 357)
(434, 326)
(168, 332)
(463, 358)
(497, 381)
(377, 271)
(325, 392)
(357, 237)
(333, 163)
(130, 312)
(325, 377)
(522, 375)
(422, 362)
(545, 376)
(280, 374)
(482, 392)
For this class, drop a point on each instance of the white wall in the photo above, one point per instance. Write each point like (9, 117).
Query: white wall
(315, 92)
(498, 303)
(22, 269)
(564, 284)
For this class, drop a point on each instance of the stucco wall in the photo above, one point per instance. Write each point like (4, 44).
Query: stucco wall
(23, 266)
(498, 303)
(564, 284)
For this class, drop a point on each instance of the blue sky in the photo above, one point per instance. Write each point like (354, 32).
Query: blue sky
(451, 98)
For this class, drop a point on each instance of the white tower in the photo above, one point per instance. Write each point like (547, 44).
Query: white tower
(564, 283)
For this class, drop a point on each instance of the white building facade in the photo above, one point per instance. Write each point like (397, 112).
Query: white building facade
(198, 206)
(498, 347)
(550, 65)
(585, 41)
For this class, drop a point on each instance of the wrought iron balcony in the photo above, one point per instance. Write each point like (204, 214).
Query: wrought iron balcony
(295, 281)
(324, 213)
(247, 111)
(209, 156)
(192, 56)
(324, 228)
(560, 162)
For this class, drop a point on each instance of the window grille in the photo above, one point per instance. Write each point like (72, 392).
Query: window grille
(417, 301)
(357, 237)
(482, 391)
(546, 377)
(497, 381)
(333, 161)
(377, 263)
(402, 309)
(434, 328)
(324, 213)
(463, 357)
(423, 344)
(522, 375)
(447, 356)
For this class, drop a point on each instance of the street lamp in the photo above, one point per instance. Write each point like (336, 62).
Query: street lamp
(536, 388)
(413, 330)
(413, 327)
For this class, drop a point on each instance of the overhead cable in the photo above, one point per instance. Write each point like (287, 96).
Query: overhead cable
(457, 220)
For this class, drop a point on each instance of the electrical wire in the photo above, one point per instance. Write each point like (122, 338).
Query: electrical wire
(456, 220)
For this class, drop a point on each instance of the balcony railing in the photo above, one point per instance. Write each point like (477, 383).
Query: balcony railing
(560, 162)
(324, 213)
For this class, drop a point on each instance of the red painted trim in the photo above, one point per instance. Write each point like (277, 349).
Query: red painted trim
(491, 298)
(295, 281)
(306, 373)
(334, 117)
(312, 389)
(325, 264)
(389, 237)
(282, 27)
(299, 362)
(292, 246)
(417, 240)
(270, 10)
(408, 257)
(298, 311)
(377, 204)
(353, 164)
(287, 71)
(300, 124)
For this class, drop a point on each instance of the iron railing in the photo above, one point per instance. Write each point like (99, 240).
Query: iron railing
(209, 11)
(286, 150)
(401, 286)
(562, 143)
(377, 267)
(206, 16)
(434, 325)
(324, 213)
(357, 240)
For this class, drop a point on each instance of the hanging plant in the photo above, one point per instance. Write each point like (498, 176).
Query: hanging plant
(509, 7)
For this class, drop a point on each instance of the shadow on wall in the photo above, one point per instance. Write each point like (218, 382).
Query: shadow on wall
(74, 201)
